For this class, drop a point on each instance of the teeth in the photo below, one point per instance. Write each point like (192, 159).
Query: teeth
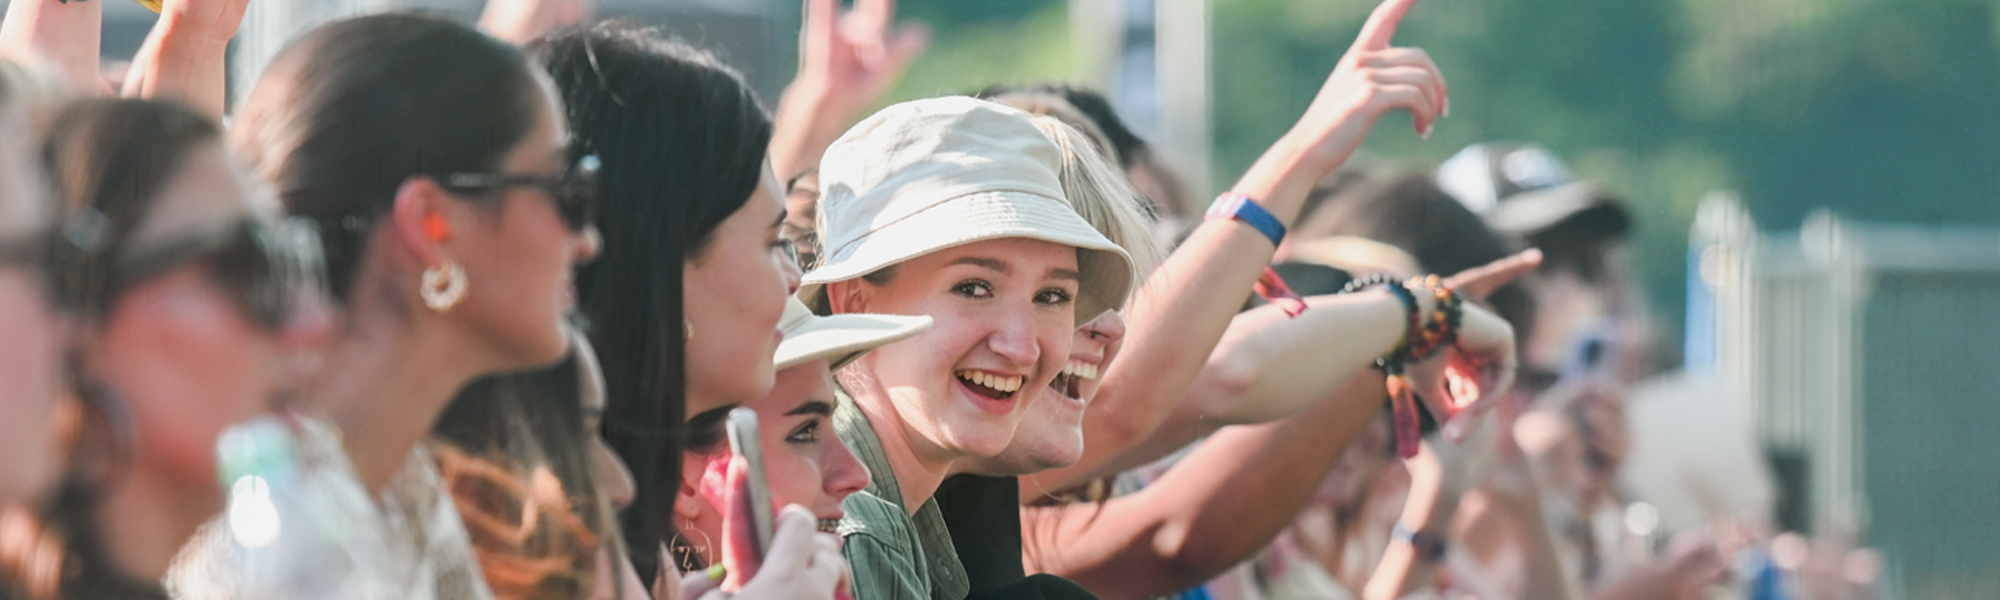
(829, 525)
(1003, 384)
(1080, 369)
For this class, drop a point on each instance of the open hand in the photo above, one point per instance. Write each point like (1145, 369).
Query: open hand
(848, 61)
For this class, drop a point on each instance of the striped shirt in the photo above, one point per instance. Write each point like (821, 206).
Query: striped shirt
(894, 554)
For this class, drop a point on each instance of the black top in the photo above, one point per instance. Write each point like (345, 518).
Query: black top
(984, 516)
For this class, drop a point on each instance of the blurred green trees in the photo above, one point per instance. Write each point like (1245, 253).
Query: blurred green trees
(1882, 109)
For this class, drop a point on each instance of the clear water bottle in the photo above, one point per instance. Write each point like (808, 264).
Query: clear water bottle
(299, 523)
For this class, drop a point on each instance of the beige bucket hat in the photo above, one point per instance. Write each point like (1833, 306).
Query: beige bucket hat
(838, 338)
(927, 175)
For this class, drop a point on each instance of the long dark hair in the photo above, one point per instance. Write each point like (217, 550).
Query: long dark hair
(682, 140)
(107, 161)
(347, 113)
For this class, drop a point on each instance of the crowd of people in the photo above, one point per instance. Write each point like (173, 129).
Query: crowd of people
(463, 312)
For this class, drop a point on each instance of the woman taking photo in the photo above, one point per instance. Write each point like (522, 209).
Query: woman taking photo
(806, 462)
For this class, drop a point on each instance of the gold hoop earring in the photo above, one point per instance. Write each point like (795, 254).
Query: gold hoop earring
(443, 286)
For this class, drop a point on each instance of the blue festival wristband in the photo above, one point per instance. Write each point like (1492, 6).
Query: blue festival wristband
(1231, 205)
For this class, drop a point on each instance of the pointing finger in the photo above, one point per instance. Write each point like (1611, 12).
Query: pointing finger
(1381, 26)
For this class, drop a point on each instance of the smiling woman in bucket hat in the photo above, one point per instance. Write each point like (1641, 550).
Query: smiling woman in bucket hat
(951, 208)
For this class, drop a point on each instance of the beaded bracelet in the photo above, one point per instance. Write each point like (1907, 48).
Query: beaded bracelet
(1441, 328)
(1402, 394)
(1392, 362)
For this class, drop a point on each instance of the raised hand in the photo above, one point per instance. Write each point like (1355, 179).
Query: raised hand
(183, 57)
(846, 63)
(213, 20)
(1372, 79)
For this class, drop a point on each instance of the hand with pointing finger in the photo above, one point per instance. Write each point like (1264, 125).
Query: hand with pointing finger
(1372, 79)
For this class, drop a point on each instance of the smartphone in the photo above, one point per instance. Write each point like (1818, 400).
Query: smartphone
(743, 441)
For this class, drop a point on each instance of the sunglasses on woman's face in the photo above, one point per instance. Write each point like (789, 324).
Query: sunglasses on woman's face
(267, 268)
(573, 193)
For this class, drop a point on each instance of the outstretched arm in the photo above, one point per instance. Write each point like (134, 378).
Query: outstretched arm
(1214, 508)
(66, 35)
(184, 56)
(1178, 316)
(1268, 366)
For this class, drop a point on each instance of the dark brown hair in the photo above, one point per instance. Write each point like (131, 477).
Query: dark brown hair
(1409, 211)
(350, 111)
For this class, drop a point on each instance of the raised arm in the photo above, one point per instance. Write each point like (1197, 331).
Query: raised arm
(183, 57)
(846, 63)
(1181, 312)
(66, 34)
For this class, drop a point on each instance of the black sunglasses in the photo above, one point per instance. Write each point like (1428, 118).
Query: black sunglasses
(573, 193)
(266, 267)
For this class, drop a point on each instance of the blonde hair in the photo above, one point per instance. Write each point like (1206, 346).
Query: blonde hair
(1102, 195)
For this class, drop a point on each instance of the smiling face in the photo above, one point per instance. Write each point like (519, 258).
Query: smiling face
(734, 293)
(1003, 314)
(1051, 436)
(804, 462)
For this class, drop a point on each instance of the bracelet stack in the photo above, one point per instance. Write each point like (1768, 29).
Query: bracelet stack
(1424, 335)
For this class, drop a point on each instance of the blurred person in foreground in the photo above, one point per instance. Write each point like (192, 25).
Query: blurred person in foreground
(32, 354)
(196, 303)
(33, 396)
